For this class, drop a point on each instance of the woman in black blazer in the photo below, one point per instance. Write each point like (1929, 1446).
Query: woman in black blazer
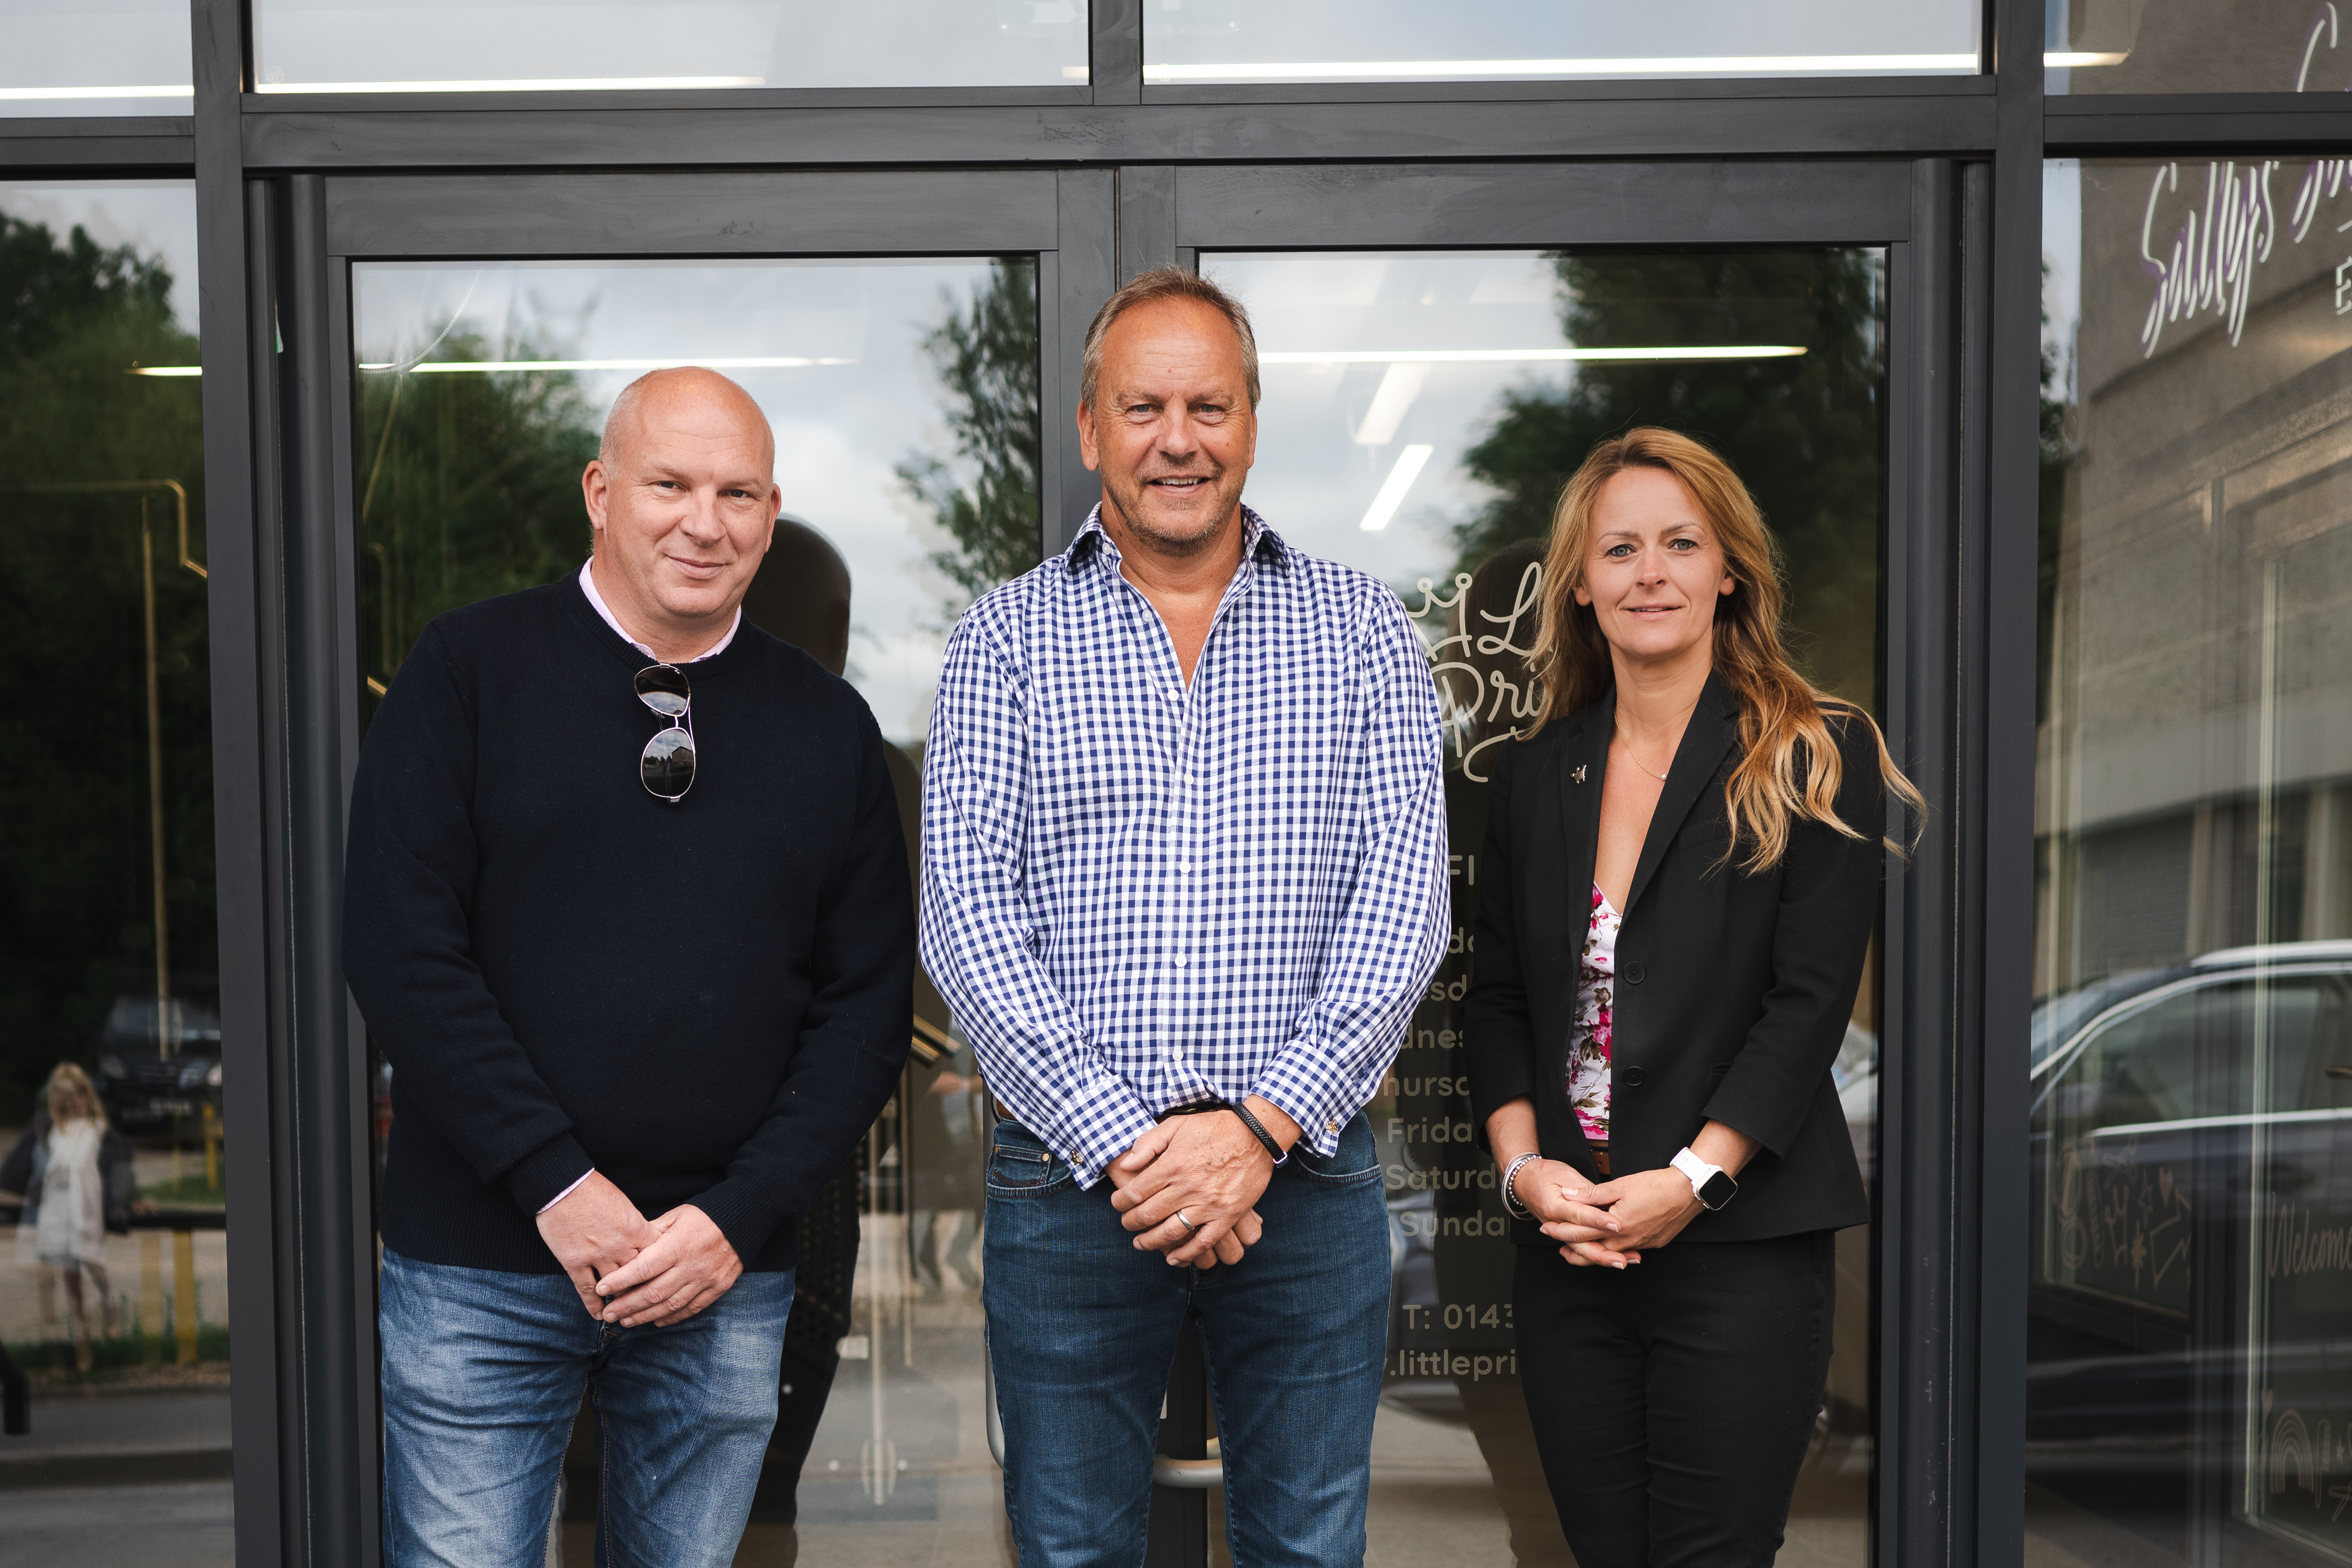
(1680, 876)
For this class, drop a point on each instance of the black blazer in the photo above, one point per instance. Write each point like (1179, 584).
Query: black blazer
(1733, 991)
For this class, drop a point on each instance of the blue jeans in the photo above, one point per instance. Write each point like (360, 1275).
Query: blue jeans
(1082, 1329)
(483, 1373)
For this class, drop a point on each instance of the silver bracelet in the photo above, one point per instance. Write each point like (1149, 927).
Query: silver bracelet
(1511, 1203)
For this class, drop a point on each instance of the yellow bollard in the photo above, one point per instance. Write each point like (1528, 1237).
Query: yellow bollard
(184, 1280)
(151, 1295)
(211, 1150)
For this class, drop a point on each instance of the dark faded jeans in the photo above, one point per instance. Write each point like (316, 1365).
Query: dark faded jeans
(1082, 1329)
(483, 1373)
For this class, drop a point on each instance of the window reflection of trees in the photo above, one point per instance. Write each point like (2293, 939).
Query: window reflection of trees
(78, 913)
(1802, 431)
(469, 487)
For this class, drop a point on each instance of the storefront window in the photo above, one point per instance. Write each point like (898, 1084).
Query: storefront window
(113, 1283)
(2198, 46)
(1410, 40)
(114, 56)
(904, 399)
(2190, 1258)
(539, 46)
(1420, 414)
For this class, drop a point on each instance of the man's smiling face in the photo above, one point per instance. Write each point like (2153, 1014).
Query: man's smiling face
(684, 502)
(1171, 430)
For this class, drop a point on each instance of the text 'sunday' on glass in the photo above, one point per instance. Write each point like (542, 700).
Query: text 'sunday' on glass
(2191, 1262)
(118, 1319)
(903, 394)
(64, 58)
(536, 46)
(1375, 40)
(1420, 413)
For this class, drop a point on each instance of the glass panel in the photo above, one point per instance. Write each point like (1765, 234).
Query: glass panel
(115, 1274)
(1420, 413)
(2189, 1381)
(1407, 41)
(107, 57)
(2197, 46)
(904, 399)
(536, 46)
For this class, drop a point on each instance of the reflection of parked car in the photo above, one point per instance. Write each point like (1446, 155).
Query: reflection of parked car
(158, 1060)
(2191, 1192)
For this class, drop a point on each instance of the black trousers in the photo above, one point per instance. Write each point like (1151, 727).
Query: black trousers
(1672, 1401)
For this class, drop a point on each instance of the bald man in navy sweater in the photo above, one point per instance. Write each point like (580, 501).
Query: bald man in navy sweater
(627, 908)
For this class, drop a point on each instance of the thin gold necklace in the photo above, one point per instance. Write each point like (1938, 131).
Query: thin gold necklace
(1637, 762)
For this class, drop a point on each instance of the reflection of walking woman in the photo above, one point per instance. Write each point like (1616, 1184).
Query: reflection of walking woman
(1680, 876)
(62, 1165)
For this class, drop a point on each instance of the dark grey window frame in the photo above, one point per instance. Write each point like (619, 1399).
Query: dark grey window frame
(1142, 175)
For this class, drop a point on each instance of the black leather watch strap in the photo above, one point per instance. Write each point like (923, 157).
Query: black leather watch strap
(1274, 1151)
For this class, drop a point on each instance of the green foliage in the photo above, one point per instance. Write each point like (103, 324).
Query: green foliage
(77, 885)
(469, 487)
(121, 1357)
(1803, 431)
(986, 357)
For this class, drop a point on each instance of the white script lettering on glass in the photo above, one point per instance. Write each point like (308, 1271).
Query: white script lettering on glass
(1465, 710)
(2216, 246)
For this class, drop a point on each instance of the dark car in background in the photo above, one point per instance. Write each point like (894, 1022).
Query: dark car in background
(2189, 1319)
(158, 1059)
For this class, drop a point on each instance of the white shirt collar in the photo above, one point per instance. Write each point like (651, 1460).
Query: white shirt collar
(596, 602)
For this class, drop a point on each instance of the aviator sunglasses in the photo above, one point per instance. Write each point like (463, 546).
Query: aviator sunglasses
(666, 766)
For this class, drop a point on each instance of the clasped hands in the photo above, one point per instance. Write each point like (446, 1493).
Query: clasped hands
(630, 1270)
(1211, 1169)
(1606, 1223)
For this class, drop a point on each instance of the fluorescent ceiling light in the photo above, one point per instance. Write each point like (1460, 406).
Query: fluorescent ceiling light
(479, 366)
(1074, 73)
(2077, 61)
(1390, 401)
(1409, 464)
(45, 94)
(1522, 356)
(1693, 65)
(525, 84)
(167, 370)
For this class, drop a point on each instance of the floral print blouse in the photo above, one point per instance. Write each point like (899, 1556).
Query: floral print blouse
(1589, 1038)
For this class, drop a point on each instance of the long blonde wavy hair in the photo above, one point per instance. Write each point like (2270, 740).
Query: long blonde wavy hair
(1789, 771)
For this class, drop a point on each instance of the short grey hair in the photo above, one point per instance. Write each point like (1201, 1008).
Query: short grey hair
(1167, 283)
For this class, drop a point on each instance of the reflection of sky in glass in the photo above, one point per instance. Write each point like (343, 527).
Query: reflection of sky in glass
(1189, 40)
(1331, 436)
(94, 56)
(157, 218)
(840, 428)
(310, 45)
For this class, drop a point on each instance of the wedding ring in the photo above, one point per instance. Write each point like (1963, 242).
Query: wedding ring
(1187, 1224)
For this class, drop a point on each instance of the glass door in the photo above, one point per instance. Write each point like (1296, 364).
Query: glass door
(1424, 403)
(903, 383)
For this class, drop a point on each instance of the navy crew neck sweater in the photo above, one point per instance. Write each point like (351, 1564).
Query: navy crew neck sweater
(708, 1001)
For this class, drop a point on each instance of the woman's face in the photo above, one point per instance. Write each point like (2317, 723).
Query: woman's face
(72, 1105)
(1653, 570)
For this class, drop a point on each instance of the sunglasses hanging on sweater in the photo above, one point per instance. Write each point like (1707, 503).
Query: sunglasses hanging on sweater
(666, 766)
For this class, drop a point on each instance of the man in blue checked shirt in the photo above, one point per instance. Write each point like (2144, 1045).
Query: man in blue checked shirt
(1183, 882)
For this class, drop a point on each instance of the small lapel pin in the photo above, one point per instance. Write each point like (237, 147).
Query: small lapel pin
(1578, 776)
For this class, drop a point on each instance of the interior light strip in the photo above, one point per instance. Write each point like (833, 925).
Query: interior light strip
(2075, 62)
(1524, 356)
(167, 370)
(1409, 464)
(1691, 65)
(54, 94)
(525, 84)
(446, 367)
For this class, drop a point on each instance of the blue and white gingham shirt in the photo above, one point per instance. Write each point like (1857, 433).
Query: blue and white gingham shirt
(1137, 894)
